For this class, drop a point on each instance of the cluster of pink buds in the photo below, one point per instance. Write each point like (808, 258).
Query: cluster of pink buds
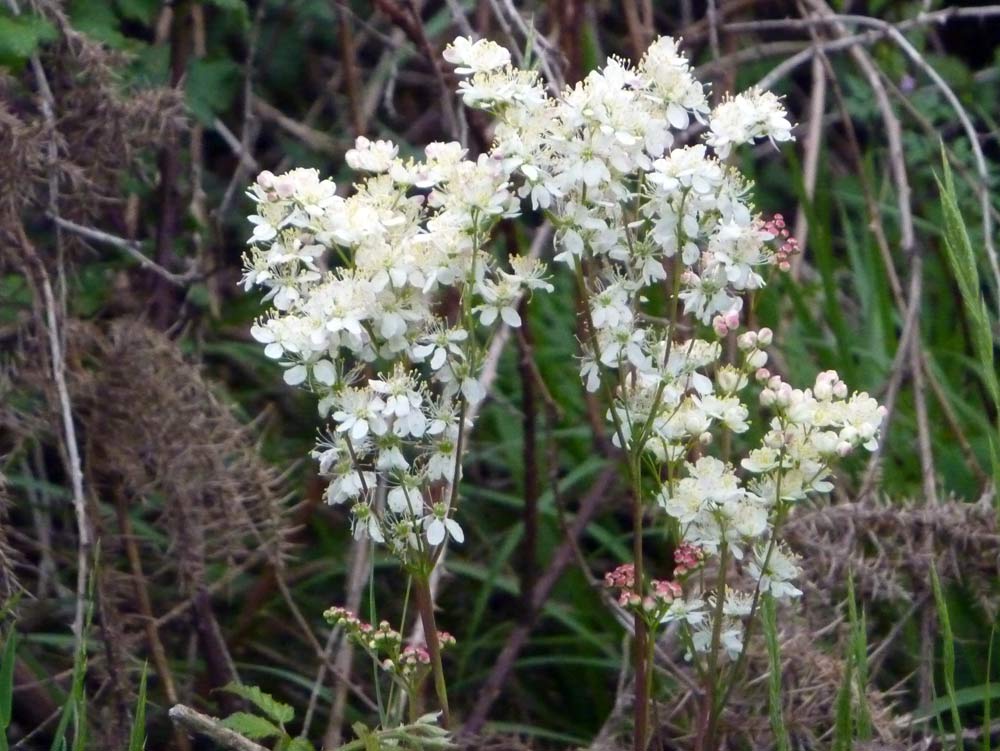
(789, 245)
(409, 663)
(622, 577)
(654, 604)
(687, 558)
(373, 638)
(412, 662)
(724, 323)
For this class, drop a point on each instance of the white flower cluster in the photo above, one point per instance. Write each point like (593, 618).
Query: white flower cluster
(380, 301)
(647, 227)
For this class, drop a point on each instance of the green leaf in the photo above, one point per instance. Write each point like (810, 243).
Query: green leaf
(98, 21)
(251, 726)
(238, 6)
(137, 738)
(210, 87)
(300, 744)
(143, 11)
(20, 37)
(280, 713)
(7, 680)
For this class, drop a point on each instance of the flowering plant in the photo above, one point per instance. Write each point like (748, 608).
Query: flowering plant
(665, 245)
(380, 302)
(638, 216)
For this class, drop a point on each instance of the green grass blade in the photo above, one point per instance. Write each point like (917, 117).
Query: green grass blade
(948, 649)
(859, 657)
(137, 738)
(774, 668)
(843, 727)
(962, 260)
(7, 686)
(987, 704)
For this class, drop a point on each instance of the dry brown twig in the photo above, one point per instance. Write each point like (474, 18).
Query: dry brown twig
(131, 249)
(201, 724)
(883, 29)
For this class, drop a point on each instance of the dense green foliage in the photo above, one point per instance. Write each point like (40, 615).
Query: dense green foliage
(294, 82)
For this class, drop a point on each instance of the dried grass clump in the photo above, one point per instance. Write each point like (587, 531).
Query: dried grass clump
(8, 580)
(153, 427)
(812, 676)
(889, 547)
(97, 133)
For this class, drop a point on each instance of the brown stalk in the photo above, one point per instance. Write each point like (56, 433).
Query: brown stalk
(169, 161)
(352, 79)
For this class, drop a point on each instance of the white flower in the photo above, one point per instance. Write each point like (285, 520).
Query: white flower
(406, 498)
(776, 578)
(690, 611)
(438, 525)
(371, 156)
(475, 57)
(744, 118)
(359, 413)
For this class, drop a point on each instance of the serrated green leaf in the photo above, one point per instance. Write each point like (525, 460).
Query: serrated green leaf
(98, 21)
(143, 11)
(251, 726)
(210, 87)
(277, 711)
(20, 37)
(300, 744)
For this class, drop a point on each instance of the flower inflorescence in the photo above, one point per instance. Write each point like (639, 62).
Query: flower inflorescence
(639, 217)
(380, 302)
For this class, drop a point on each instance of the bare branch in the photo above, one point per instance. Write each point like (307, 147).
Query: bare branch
(201, 724)
(130, 248)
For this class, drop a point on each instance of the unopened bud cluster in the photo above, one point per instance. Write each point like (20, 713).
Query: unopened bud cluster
(409, 664)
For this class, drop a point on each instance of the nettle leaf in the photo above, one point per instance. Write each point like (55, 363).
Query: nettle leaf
(210, 87)
(299, 744)
(233, 5)
(237, 8)
(20, 37)
(99, 21)
(143, 11)
(276, 710)
(251, 726)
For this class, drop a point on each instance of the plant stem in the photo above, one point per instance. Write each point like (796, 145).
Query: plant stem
(425, 605)
(713, 655)
(641, 652)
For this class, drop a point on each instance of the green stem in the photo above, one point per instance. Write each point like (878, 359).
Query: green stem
(642, 654)
(713, 655)
(425, 604)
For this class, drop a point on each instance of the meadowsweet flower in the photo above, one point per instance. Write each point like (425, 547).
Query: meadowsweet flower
(475, 57)
(438, 525)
